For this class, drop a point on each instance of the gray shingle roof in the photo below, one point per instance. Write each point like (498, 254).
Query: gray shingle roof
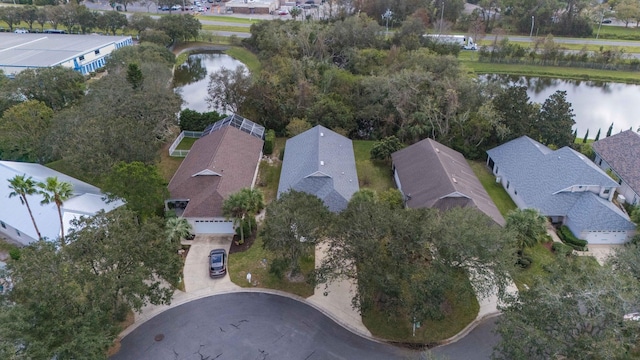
(622, 153)
(435, 176)
(320, 162)
(540, 175)
(593, 213)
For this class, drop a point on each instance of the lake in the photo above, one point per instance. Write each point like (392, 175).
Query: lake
(595, 104)
(192, 78)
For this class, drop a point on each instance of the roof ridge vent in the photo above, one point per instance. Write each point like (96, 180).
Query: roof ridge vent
(454, 180)
(437, 150)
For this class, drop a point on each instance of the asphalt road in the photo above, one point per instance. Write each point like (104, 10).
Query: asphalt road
(240, 326)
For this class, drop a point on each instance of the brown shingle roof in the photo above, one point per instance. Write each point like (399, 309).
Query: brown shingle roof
(622, 153)
(231, 154)
(435, 176)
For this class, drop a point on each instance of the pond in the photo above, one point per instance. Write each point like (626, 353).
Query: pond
(192, 78)
(595, 104)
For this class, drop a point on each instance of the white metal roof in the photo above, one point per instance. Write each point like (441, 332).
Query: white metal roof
(19, 51)
(87, 200)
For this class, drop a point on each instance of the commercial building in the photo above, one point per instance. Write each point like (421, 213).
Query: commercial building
(83, 53)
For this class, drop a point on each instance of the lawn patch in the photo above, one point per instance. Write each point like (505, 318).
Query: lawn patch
(186, 143)
(541, 258)
(249, 59)
(462, 306)
(256, 261)
(372, 174)
(168, 165)
(496, 191)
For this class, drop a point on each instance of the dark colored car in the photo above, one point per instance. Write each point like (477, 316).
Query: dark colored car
(217, 263)
(606, 21)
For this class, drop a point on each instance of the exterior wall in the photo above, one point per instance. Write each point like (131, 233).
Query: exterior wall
(14, 235)
(508, 187)
(631, 197)
(255, 175)
(397, 180)
(237, 9)
(92, 60)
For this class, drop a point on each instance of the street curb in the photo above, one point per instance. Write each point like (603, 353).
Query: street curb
(464, 332)
(196, 296)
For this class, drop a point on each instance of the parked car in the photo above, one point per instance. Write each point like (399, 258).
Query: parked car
(21, 31)
(164, 8)
(606, 21)
(176, 7)
(283, 12)
(217, 263)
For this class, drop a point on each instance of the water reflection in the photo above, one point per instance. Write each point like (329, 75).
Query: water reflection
(191, 78)
(595, 104)
(189, 72)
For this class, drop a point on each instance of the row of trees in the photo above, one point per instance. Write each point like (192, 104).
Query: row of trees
(79, 19)
(347, 77)
(405, 261)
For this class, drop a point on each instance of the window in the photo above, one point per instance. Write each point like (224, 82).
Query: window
(97, 52)
(606, 191)
(81, 58)
(515, 192)
(507, 184)
(3, 225)
(18, 232)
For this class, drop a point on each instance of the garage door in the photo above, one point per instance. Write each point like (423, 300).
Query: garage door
(212, 226)
(606, 237)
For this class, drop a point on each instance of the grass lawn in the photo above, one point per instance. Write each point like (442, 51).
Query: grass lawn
(186, 143)
(246, 57)
(619, 32)
(238, 29)
(542, 258)
(228, 19)
(255, 261)
(470, 60)
(372, 174)
(168, 165)
(463, 310)
(496, 191)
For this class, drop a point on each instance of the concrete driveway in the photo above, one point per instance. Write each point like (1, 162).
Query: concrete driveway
(196, 265)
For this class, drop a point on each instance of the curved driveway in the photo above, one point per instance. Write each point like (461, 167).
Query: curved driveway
(249, 325)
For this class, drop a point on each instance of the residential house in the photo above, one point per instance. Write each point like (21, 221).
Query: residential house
(620, 153)
(15, 222)
(320, 162)
(431, 175)
(563, 185)
(221, 162)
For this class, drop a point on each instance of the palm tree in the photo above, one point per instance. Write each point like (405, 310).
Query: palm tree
(255, 202)
(237, 206)
(528, 226)
(22, 186)
(55, 191)
(177, 228)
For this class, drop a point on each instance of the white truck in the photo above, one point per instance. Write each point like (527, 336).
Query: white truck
(465, 42)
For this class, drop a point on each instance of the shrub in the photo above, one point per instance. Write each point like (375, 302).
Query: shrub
(278, 267)
(195, 121)
(561, 249)
(14, 253)
(269, 142)
(568, 238)
(524, 262)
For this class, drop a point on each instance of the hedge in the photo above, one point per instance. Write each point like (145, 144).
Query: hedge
(568, 238)
(269, 142)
